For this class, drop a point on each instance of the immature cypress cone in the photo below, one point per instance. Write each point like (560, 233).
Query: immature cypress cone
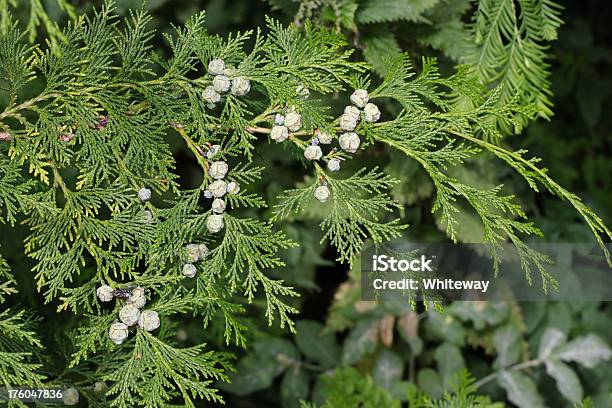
(218, 206)
(322, 193)
(202, 251)
(233, 188)
(353, 112)
(222, 84)
(129, 314)
(100, 387)
(137, 298)
(349, 142)
(214, 223)
(347, 122)
(218, 188)
(147, 216)
(241, 86)
(360, 98)
(279, 133)
(189, 270)
(105, 293)
(293, 121)
(118, 332)
(216, 66)
(333, 164)
(137, 301)
(210, 96)
(313, 153)
(193, 252)
(70, 396)
(323, 137)
(218, 170)
(144, 194)
(148, 320)
(371, 113)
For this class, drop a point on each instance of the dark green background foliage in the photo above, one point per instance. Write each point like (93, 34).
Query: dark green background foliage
(347, 352)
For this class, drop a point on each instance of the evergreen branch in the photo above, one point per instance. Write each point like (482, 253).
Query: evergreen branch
(87, 165)
(153, 366)
(508, 44)
(18, 343)
(529, 170)
(496, 227)
(353, 216)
